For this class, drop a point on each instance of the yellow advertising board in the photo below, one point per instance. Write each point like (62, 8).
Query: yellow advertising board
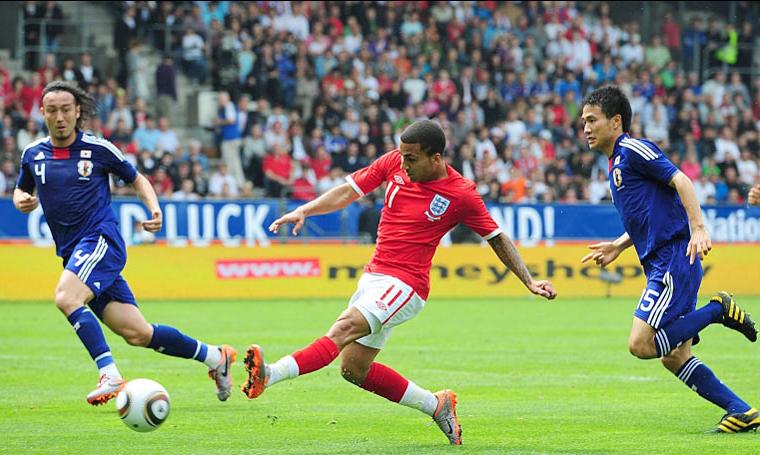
(307, 271)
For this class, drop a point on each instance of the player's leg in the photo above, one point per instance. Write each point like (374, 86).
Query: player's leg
(121, 315)
(92, 266)
(739, 417)
(71, 295)
(358, 367)
(665, 316)
(377, 300)
(349, 326)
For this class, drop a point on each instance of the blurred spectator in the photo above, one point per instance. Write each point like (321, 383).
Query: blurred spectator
(194, 62)
(86, 72)
(147, 136)
(222, 184)
(278, 172)
(167, 140)
(29, 134)
(166, 86)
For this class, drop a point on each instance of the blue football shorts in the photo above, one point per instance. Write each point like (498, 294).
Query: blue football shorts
(98, 261)
(672, 285)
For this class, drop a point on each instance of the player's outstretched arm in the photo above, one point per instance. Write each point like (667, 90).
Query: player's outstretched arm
(754, 195)
(24, 201)
(604, 253)
(507, 253)
(148, 197)
(335, 199)
(700, 243)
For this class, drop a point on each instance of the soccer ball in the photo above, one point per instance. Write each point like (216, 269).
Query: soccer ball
(143, 405)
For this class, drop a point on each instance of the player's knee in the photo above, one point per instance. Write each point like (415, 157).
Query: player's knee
(65, 301)
(352, 373)
(136, 337)
(642, 349)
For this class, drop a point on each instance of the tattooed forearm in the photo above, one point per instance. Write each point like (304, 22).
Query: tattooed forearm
(506, 251)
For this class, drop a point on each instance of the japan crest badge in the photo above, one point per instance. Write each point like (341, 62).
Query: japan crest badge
(84, 167)
(437, 208)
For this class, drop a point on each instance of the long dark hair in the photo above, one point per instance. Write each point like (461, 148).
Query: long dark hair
(85, 101)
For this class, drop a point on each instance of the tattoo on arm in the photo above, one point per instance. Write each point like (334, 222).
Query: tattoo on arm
(507, 253)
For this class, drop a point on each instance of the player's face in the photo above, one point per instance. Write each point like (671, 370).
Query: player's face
(418, 165)
(61, 113)
(601, 132)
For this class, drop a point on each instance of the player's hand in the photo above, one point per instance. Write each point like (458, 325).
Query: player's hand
(153, 224)
(543, 288)
(602, 253)
(296, 217)
(754, 195)
(27, 203)
(699, 244)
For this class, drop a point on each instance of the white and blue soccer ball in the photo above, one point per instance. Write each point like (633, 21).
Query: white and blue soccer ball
(143, 405)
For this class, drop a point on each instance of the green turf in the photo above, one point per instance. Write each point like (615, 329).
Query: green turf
(532, 377)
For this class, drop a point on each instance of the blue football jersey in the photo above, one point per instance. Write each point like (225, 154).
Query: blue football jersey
(651, 211)
(73, 186)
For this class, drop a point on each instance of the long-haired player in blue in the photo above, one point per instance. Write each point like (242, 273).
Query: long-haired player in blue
(70, 171)
(663, 222)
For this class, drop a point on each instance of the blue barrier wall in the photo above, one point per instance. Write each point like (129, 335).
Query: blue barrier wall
(245, 222)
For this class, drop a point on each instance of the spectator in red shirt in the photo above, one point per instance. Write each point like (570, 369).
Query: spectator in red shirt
(671, 30)
(320, 163)
(278, 172)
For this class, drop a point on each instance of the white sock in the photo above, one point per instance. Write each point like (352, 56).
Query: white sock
(285, 368)
(418, 398)
(213, 356)
(110, 371)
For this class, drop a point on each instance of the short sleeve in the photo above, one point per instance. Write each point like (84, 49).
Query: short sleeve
(475, 216)
(25, 181)
(116, 163)
(365, 180)
(649, 160)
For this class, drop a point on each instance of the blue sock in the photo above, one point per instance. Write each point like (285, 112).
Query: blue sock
(702, 380)
(170, 341)
(684, 328)
(89, 331)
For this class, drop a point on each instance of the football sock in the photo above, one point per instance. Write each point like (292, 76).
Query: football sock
(386, 382)
(317, 355)
(418, 398)
(90, 333)
(684, 328)
(285, 368)
(170, 341)
(111, 371)
(702, 380)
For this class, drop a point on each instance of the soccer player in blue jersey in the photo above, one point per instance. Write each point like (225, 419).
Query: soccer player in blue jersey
(663, 221)
(70, 170)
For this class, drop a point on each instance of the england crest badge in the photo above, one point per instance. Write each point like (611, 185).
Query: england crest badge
(437, 208)
(84, 167)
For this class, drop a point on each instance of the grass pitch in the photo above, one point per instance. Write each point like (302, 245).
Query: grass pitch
(532, 377)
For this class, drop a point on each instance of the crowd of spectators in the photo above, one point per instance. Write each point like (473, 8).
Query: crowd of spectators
(311, 91)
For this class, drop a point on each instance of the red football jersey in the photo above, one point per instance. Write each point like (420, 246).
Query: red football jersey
(416, 215)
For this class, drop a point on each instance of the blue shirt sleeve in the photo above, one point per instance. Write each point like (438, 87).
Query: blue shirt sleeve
(649, 160)
(25, 181)
(116, 163)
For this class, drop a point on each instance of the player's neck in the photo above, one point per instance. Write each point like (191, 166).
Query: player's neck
(63, 143)
(610, 150)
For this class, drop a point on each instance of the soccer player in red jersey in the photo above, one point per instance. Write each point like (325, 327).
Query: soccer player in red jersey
(424, 199)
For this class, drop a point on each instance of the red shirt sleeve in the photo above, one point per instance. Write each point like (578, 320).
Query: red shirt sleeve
(475, 215)
(367, 179)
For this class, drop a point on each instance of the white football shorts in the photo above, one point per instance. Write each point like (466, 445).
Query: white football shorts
(385, 302)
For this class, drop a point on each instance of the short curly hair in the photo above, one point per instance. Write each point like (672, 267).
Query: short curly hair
(428, 134)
